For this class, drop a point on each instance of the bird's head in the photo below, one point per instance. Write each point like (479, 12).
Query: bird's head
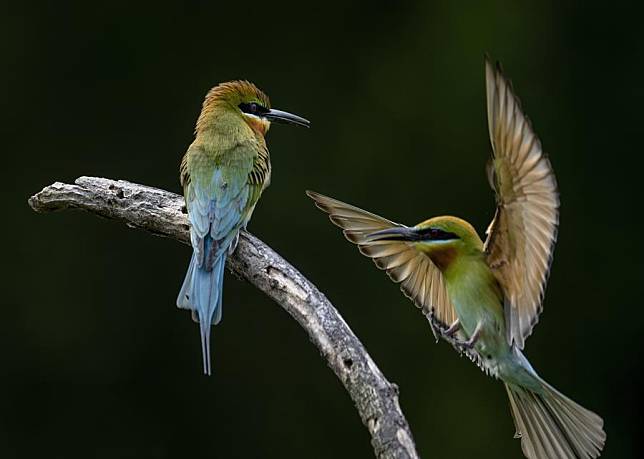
(242, 102)
(443, 239)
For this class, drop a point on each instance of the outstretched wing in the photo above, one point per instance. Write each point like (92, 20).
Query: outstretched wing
(419, 279)
(522, 234)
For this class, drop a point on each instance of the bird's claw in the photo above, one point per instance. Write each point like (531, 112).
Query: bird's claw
(469, 344)
(448, 333)
(456, 326)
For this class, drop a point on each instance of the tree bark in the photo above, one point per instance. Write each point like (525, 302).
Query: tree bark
(163, 214)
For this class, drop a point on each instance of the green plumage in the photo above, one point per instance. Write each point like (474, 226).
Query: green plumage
(223, 175)
(485, 298)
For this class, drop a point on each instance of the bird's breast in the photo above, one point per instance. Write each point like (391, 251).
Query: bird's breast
(475, 296)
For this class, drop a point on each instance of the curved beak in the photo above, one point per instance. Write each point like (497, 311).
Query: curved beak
(278, 116)
(400, 233)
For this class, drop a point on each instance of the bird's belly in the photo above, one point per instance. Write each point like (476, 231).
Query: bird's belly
(491, 339)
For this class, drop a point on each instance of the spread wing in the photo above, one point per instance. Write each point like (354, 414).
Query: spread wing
(522, 234)
(419, 279)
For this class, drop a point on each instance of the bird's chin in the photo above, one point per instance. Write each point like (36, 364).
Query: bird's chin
(441, 254)
(259, 125)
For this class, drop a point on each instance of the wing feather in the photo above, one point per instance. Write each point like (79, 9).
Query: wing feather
(420, 280)
(220, 196)
(523, 232)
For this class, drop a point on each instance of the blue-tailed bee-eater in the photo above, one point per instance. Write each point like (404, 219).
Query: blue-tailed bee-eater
(223, 174)
(486, 297)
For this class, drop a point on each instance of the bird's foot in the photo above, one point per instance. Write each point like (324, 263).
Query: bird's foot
(469, 344)
(448, 334)
(462, 345)
(456, 326)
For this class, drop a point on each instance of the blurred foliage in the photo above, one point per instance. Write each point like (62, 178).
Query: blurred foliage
(97, 361)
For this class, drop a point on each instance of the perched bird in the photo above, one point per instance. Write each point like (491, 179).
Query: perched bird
(485, 297)
(223, 174)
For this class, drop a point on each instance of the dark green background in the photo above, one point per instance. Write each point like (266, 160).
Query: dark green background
(96, 361)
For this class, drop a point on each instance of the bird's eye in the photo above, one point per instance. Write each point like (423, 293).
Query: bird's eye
(252, 108)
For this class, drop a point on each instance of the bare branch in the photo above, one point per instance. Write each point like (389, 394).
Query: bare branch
(162, 213)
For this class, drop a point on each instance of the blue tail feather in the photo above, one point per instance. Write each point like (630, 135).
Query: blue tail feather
(202, 293)
(204, 326)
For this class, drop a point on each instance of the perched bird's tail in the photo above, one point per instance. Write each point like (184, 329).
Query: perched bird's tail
(549, 424)
(202, 292)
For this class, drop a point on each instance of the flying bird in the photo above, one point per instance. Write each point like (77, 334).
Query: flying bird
(485, 297)
(223, 174)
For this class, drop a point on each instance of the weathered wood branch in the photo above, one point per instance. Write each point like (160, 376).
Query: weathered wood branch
(162, 213)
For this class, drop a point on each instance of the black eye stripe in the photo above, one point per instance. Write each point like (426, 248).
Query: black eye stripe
(436, 234)
(253, 108)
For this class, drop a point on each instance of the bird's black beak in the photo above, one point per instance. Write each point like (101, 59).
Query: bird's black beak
(400, 233)
(278, 116)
